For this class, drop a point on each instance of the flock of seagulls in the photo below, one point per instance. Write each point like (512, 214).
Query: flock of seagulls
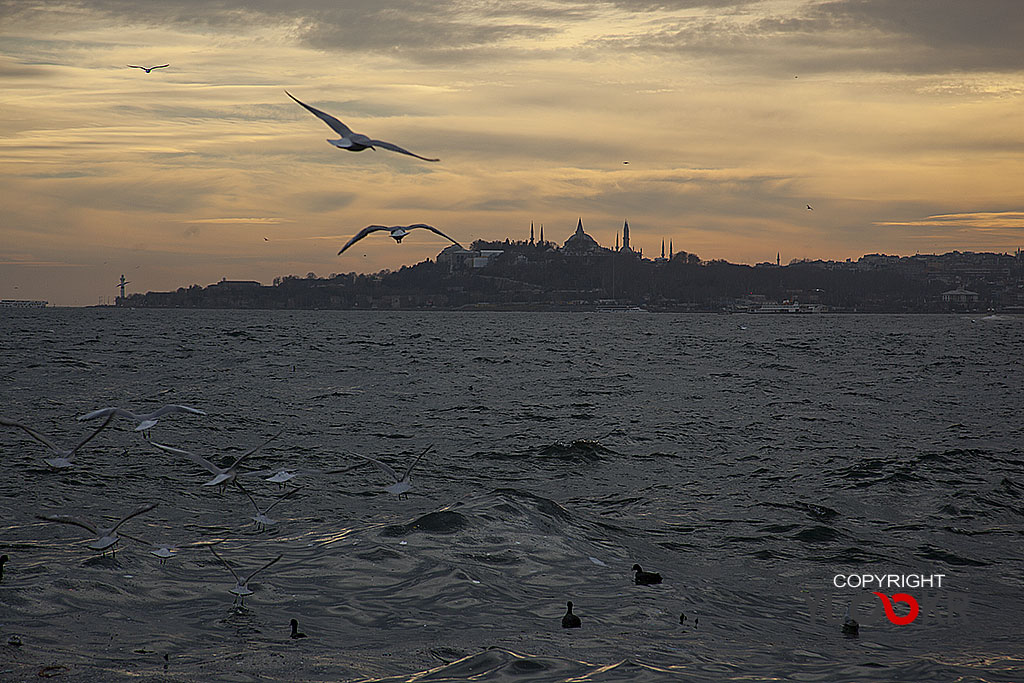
(106, 538)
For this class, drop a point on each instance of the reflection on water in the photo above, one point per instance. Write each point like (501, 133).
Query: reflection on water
(748, 464)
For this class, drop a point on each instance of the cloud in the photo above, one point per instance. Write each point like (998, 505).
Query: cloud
(261, 221)
(979, 220)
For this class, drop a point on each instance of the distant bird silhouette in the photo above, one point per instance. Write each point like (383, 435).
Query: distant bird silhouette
(3, 561)
(295, 630)
(809, 208)
(397, 233)
(351, 141)
(63, 456)
(402, 483)
(642, 578)
(106, 538)
(626, 163)
(147, 69)
(570, 620)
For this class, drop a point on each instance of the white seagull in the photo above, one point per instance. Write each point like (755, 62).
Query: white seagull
(222, 476)
(105, 537)
(397, 233)
(351, 141)
(261, 519)
(284, 474)
(402, 483)
(241, 588)
(147, 69)
(63, 456)
(147, 421)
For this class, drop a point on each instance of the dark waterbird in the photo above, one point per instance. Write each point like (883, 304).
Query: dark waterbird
(296, 633)
(642, 578)
(851, 629)
(570, 620)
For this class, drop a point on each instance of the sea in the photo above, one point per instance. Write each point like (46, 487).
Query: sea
(769, 467)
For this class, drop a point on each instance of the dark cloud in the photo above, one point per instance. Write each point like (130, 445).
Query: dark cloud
(908, 36)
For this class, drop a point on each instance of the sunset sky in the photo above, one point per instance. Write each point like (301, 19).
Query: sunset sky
(901, 122)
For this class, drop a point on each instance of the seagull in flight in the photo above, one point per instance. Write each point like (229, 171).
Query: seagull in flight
(147, 69)
(402, 483)
(349, 140)
(261, 519)
(221, 476)
(62, 460)
(105, 537)
(147, 421)
(397, 233)
(241, 589)
(284, 474)
(809, 208)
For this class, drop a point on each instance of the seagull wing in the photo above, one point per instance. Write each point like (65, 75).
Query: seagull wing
(174, 408)
(249, 496)
(361, 234)
(287, 495)
(159, 66)
(134, 513)
(225, 563)
(103, 412)
(395, 148)
(38, 436)
(68, 519)
(409, 471)
(89, 438)
(378, 463)
(249, 578)
(135, 66)
(198, 459)
(245, 455)
(347, 469)
(336, 125)
(431, 228)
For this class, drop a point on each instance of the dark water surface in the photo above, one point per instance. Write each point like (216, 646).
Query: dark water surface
(749, 459)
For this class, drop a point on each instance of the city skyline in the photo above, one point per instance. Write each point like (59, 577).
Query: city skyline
(899, 123)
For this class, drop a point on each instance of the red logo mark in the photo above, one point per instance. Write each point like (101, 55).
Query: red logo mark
(891, 613)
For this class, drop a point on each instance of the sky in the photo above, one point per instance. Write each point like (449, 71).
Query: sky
(899, 121)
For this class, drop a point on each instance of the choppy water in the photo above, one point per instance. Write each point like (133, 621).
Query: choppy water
(748, 459)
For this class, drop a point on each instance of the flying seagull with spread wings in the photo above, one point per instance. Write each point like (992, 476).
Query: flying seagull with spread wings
(397, 232)
(147, 69)
(62, 456)
(351, 141)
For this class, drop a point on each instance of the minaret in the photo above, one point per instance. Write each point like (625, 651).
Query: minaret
(542, 233)
(662, 247)
(625, 236)
(531, 232)
(778, 258)
(670, 252)
(616, 241)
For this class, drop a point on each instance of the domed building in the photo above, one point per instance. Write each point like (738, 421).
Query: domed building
(581, 243)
